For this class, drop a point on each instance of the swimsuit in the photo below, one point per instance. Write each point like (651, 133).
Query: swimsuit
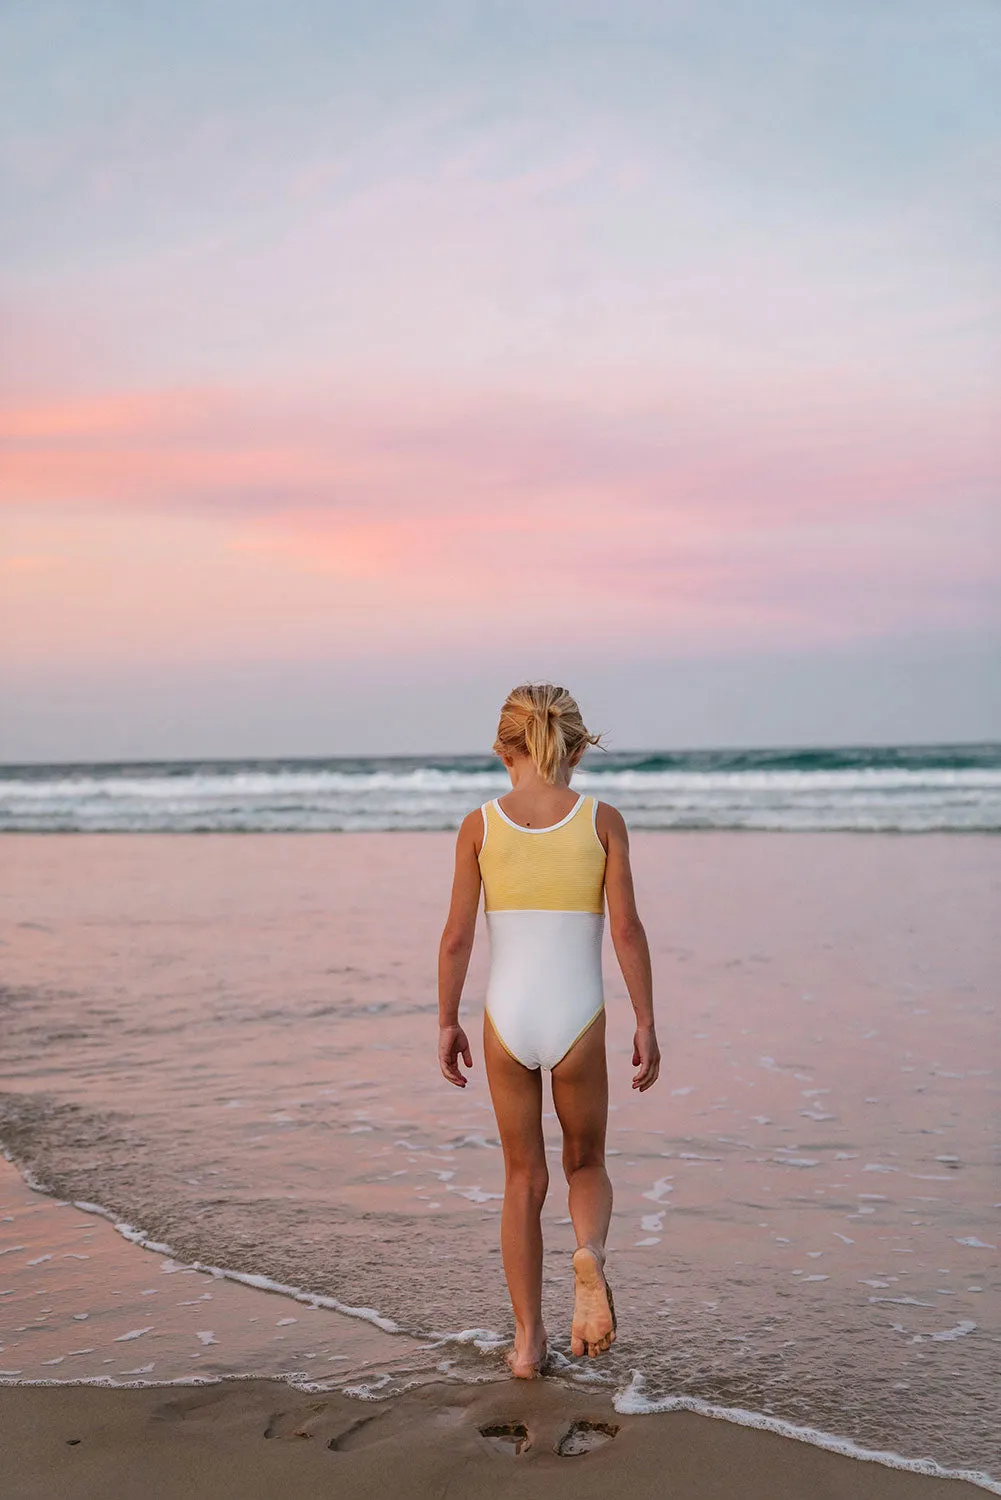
(544, 899)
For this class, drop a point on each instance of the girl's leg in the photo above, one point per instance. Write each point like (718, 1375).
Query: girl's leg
(580, 1096)
(516, 1092)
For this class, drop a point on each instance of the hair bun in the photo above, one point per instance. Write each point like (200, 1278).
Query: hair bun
(542, 720)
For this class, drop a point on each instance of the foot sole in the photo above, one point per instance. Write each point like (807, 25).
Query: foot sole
(588, 1273)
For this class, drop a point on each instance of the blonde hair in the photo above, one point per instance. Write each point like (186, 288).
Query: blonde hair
(542, 721)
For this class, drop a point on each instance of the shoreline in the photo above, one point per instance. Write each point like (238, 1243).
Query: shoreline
(254, 1439)
(306, 1397)
(258, 1280)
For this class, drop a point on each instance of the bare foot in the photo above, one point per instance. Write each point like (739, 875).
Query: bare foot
(527, 1359)
(593, 1330)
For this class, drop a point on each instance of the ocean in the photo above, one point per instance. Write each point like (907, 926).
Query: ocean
(899, 789)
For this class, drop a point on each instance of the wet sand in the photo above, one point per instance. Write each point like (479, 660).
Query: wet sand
(259, 1440)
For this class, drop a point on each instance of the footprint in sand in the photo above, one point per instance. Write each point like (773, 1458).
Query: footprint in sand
(305, 1424)
(584, 1437)
(280, 1426)
(509, 1438)
(180, 1408)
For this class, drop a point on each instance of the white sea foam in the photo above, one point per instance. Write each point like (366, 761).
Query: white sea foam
(902, 1301)
(484, 1339)
(630, 1401)
(474, 1194)
(962, 1328)
(369, 1390)
(263, 1283)
(690, 791)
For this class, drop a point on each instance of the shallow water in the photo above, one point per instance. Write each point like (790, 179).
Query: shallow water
(228, 1042)
(79, 1302)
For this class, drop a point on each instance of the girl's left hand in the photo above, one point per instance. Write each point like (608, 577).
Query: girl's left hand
(646, 1057)
(453, 1044)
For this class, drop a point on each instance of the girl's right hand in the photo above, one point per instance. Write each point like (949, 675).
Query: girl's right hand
(646, 1057)
(453, 1044)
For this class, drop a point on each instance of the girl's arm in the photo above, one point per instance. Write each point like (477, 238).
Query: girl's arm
(455, 948)
(630, 942)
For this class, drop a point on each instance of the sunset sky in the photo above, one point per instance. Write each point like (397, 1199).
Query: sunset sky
(359, 361)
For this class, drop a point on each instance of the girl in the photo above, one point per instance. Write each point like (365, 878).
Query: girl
(548, 862)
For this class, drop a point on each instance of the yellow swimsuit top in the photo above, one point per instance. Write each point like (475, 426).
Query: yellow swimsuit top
(559, 868)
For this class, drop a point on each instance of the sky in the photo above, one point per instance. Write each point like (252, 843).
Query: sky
(362, 361)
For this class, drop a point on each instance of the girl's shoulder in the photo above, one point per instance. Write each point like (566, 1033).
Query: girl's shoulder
(473, 828)
(473, 821)
(608, 819)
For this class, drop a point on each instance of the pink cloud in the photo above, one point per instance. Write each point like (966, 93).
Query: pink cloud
(415, 453)
(212, 521)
